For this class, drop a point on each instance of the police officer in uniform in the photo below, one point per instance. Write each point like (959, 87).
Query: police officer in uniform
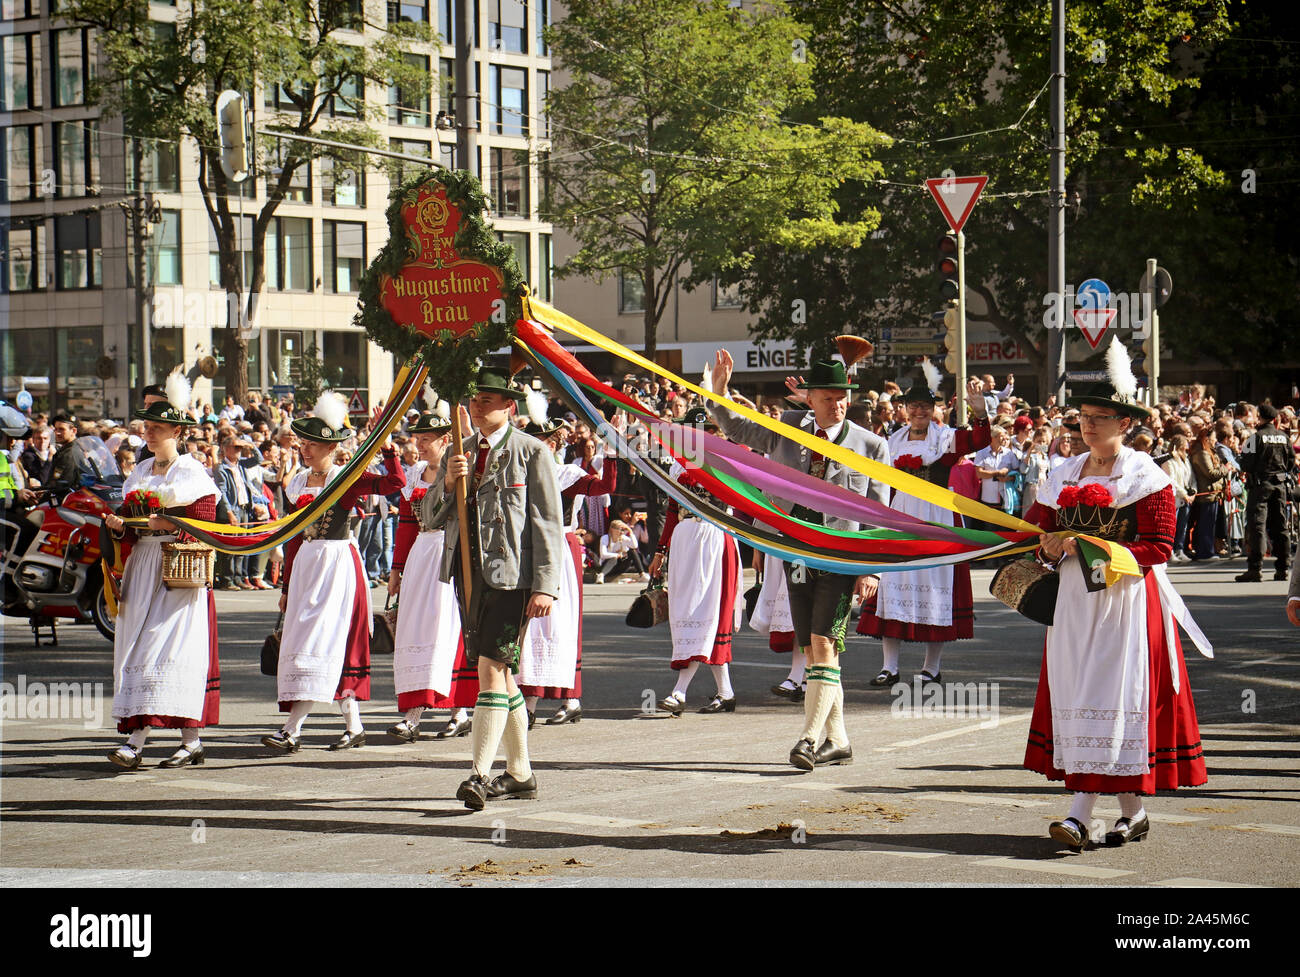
(1270, 464)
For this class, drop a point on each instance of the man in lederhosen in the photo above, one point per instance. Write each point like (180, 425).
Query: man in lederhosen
(819, 601)
(517, 553)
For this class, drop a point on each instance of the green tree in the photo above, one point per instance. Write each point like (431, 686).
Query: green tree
(164, 83)
(672, 144)
(962, 86)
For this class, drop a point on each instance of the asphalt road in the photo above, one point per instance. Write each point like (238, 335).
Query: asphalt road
(631, 798)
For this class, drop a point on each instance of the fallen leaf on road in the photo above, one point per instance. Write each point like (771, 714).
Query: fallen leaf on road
(782, 830)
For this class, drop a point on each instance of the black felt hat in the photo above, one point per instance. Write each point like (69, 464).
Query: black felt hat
(543, 431)
(161, 412)
(1105, 395)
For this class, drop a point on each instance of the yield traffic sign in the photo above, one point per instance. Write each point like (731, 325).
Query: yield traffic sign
(1093, 323)
(956, 196)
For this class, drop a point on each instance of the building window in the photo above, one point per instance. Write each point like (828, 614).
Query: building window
(631, 292)
(727, 296)
(410, 13)
(509, 98)
(353, 15)
(165, 250)
(20, 152)
(288, 254)
(543, 92)
(298, 190)
(165, 351)
(447, 22)
(342, 185)
(18, 9)
(409, 105)
(76, 158)
(345, 255)
(351, 96)
(78, 253)
(510, 182)
(545, 268)
(402, 170)
(77, 388)
(447, 85)
(161, 165)
(345, 365)
(20, 72)
(31, 351)
(22, 249)
(243, 242)
(506, 25)
(544, 202)
(518, 242)
(542, 20)
(71, 63)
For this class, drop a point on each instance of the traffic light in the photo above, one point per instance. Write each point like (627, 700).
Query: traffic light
(1143, 360)
(951, 336)
(948, 265)
(232, 135)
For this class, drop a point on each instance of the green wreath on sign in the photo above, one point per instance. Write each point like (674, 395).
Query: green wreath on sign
(453, 354)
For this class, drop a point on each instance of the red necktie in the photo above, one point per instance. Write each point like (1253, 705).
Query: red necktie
(816, 457)
(481, 461)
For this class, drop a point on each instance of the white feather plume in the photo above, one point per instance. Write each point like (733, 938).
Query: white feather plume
(537, 405)
(707, 382)
(331, 408)
(443, 411)
(1120, 369)
(178, 389)
(933, 376)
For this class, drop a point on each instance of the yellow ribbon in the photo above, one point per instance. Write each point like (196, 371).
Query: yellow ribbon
(1121, 560)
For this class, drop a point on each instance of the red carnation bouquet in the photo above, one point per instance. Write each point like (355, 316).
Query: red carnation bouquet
(909, 463)
(1092, 495)
(417, 494)
(303, 500)
(141, 503)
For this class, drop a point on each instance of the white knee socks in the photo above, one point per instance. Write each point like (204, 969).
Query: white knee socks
(797, 661)
(413, 715)
(491, 712)
(351, 712)
(722, 676)
(823, 690)
(890, 648)
(1130, 806)
(137, 738)
(297, 713)
(933, 653)
(1081, 809)
(516, 739)
(190, 737)
(835, 731)
(530, 701)
(684, 676)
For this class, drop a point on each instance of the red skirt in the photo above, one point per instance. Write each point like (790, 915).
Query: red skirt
(464, 685)
(963, 616)
(551, 691)
(1173, 735)
(720, 654)
(211, 696)
(782, 642)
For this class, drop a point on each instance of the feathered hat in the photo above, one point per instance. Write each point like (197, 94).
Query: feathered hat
(925, 389)
(435, 421)
(173, 410)
(1120, 389)
(328, 423)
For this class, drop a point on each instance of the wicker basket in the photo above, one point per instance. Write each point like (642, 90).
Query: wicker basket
(187, 565)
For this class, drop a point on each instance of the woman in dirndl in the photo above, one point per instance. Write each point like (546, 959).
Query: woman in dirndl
(1114, 711)
(772, 617)
(703, 580)
(325, 645)
(428, 620)
(165, 669)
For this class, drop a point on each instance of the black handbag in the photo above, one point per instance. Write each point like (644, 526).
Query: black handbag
(650, 607)
(271, 648)
(1029, 588)
(751, 599)
(384, 638)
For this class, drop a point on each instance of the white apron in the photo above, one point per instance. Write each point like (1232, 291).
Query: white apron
(160, 644)
(772, 611)
(314, 643)
(919, 596)
(428, 622)
(695, 587)
(549, 655)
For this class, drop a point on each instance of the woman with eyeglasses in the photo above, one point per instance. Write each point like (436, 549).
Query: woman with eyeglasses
(1114, 711)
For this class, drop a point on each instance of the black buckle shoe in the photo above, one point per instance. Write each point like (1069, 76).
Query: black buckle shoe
(884, 680)
(126, 756)
(785, 692)
(719, 704)
(803, 755)
(183, 757)
(507, 788)
(1281, 574)
(1070, 832)
(454, 728)
(282, 741)
(405, 731)
(830, 755)
(349, 741)
(473, 792)
(565, 715)
(673, 705)
(927, 678)
(1127, 830)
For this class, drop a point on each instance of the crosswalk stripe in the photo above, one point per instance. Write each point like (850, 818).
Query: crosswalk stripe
(1276, 829)
(1055, 868)
(980, 799)
(216, 786)
(960, 731)
(1190, 883)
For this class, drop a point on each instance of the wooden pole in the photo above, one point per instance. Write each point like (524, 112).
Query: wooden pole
(462, 512)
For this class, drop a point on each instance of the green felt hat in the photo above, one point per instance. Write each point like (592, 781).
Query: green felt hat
(494, 381)
(543, 431)
(161, 412)
(314, 429)
(828, 375)
(430, 423)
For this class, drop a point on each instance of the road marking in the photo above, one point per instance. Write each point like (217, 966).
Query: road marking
(792, 782)
(1275, 829)
(216, 786)
(948, 734)
(847, 844)
(588, 820)
(1188, 883)
(979, 799)
(1114, 812)
(1055, 868)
